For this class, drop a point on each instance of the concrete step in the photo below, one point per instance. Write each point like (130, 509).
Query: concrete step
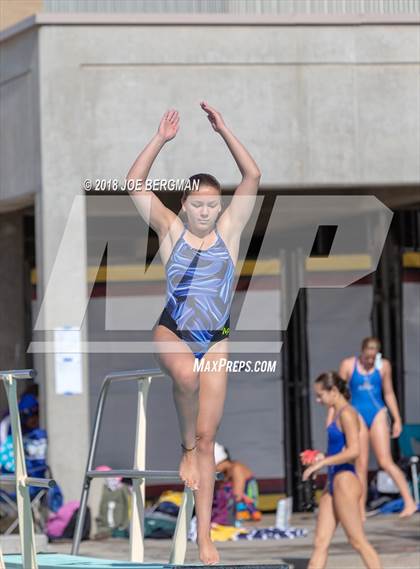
(11, 543)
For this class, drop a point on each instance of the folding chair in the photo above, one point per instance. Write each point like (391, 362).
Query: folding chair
(38, 499)
(22, 481)
(35, 449)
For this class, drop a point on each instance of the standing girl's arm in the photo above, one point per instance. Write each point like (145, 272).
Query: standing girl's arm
(243, 201)
(390, 399)
(345, 369)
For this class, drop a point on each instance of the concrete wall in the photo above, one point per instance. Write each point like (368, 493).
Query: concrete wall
(20, 149)
(329, 105)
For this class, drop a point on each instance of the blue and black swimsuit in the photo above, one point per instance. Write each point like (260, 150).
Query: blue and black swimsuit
(199, 294)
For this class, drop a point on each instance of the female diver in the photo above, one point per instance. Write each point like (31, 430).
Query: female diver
(340, 500)
(367, 381)
(199, 259)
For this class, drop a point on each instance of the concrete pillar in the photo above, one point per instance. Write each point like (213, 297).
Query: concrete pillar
(67, 416)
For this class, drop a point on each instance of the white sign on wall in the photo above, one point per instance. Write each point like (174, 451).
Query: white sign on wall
(68, 361)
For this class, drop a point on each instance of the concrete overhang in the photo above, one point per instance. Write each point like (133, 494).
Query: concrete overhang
(136, 19)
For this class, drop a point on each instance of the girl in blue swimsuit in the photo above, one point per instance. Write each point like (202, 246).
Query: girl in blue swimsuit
(339, 501)
(199, 293)
(366, 393)
(199, 256)
(371, 388)
(336, 444)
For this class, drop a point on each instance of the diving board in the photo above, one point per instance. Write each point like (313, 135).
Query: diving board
(59, 561)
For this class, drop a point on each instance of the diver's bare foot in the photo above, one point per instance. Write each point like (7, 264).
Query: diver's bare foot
(188, 469)
(207, 552)
(409, 510)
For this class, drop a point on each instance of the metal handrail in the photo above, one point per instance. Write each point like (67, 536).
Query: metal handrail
(112, 377)
(140, 474)
(90, 472)
(133, 474)
(28, 481)
(18, 374)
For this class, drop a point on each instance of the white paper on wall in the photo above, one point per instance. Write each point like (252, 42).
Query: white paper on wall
(68, 361)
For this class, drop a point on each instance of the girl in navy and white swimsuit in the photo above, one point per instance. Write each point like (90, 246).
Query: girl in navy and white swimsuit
(199, 294)
(198, 299)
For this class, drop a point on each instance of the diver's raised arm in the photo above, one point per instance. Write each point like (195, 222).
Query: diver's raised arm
(243, 201)
(153, 211)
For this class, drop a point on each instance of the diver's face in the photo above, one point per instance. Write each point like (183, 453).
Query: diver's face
(324, 396)
(202, 208)
(369, 353)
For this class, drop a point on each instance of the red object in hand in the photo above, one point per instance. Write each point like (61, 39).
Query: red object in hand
(309, 456)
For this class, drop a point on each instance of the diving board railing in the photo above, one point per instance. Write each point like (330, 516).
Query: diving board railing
(21, 479)
(138, 474)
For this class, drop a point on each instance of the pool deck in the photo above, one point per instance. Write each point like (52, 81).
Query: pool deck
(397, 541)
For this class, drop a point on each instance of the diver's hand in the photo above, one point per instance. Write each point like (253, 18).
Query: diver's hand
(214, 117)
(169, 125)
